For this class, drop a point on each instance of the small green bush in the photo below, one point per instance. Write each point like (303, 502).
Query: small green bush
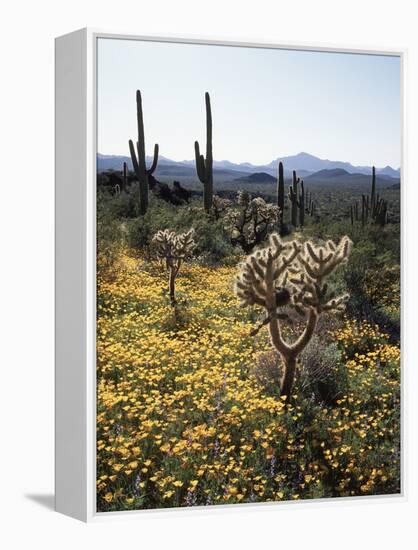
(323, 373)
(267, 372)
(212, 241)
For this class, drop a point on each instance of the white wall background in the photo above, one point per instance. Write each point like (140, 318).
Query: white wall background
(26, 306)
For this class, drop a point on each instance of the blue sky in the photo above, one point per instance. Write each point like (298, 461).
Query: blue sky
(266, 103)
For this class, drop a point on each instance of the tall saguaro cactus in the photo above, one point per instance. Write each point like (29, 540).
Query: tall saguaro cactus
(373, 207)
(204, 166)
(138, 158)
(125, 176)
(373, 195)
(293, 197)
(291, 274)
(280, 193)
(301, 204)
(297, 200)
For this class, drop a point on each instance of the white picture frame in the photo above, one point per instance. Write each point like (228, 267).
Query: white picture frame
(75, 176)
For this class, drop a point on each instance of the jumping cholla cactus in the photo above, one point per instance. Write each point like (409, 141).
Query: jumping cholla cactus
(220, 206)
(250, 224)
(174, 249)
(291, 274)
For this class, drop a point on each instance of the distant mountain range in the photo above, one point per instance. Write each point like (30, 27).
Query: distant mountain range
(257, 177)
(310, 163)
(333, 176)
(305, 164)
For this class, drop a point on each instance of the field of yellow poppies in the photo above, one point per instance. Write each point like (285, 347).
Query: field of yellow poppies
(182, 418)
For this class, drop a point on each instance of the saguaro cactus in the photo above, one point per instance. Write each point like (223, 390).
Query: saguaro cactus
(309, 203)
(204, 166)
(297, 200)
(173, 249)
(354, 216)
(280, 193)
(291, 274)
(373, 195)
(380, 212)
(125, 176)
(312, 211)
(301, 204)
(293, 197)
(363, 210)
(373, 208)
(138, 158)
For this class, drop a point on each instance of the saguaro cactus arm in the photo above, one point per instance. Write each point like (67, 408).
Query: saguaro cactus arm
(138, 167)
(138, 158)
(200, 163)
(135, 163)
(153, 167)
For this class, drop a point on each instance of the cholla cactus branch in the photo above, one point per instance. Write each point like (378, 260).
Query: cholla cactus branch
(251, 222)
(291, 274)
(173, 249)
(220, 206)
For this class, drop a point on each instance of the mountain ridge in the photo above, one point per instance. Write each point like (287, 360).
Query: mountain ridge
(304, 163)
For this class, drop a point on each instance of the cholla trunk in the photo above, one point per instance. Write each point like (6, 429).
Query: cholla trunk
(290, 352)
(288, 377)
(173, 249)
(172, 285)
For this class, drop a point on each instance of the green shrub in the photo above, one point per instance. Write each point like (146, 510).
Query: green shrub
(267, 372)
(212, 242)
(323, 373)
(140, 232)
(109, 240)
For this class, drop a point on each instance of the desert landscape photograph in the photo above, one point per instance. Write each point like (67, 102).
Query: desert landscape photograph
(248, 274)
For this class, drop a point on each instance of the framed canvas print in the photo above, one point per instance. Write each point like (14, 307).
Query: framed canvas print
(228, 223)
